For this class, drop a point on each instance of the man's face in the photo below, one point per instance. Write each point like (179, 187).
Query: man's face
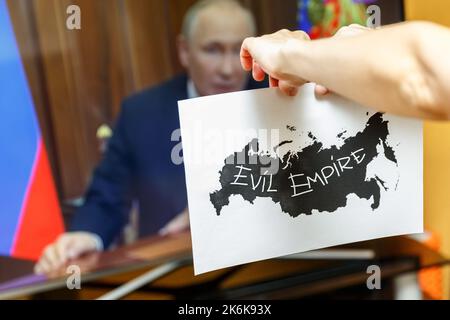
(211, 54)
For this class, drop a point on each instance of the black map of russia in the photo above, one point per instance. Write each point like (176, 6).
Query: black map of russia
(312, 178)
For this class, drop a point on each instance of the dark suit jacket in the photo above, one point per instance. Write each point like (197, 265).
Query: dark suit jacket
(137, 166)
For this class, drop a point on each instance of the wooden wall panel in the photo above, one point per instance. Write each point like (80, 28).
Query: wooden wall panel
(61, 90)
(175, 11)
(148, 41)
(24, 25)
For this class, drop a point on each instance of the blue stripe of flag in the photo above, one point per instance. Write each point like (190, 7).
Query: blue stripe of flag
(19, 133)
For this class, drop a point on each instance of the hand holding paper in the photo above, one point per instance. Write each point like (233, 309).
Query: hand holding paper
(397, 69)
(270, 175)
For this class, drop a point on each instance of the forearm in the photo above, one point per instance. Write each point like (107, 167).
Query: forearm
(386, 69)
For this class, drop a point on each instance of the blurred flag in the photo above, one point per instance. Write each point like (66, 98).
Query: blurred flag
(30, 216)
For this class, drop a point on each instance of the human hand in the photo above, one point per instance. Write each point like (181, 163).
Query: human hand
(69, 245)
(270, 54)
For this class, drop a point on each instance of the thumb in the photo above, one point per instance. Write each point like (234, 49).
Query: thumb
(321, 90)
(287, 88)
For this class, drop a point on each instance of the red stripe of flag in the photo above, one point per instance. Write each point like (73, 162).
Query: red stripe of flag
(40, 222)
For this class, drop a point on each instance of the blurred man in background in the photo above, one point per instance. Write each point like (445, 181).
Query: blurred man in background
(137, 166)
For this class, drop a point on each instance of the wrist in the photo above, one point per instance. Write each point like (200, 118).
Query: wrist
(292, 58)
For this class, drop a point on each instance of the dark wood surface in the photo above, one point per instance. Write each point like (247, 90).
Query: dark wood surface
(396, 254)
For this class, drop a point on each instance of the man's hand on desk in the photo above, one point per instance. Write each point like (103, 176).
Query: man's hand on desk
(71, 245)
(68, 246)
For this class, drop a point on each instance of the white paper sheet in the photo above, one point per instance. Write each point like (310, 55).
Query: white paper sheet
(319, 172)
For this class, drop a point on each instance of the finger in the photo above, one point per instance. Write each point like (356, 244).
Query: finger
(245, 56)
(61, 248)
(321, 90)
(258, 72)
(352, 30)
(273, 82)
(287, 88)
(301, 34)
(38, 268)
(74, 251)
(43, 266)
(52, 257)
(80, 246)
(359, 26)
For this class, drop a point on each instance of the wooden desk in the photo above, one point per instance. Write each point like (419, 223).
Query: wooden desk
(275, 278)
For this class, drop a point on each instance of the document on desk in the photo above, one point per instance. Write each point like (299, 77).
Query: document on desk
(269, 175)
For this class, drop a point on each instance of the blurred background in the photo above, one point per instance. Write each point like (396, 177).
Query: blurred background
(78, 78)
